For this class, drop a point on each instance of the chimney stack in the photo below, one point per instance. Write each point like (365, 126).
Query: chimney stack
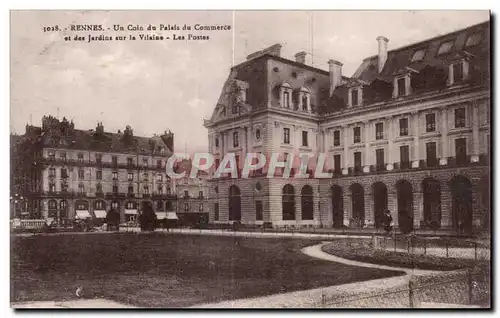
(382, 52)
(335, 75)
(301, 57)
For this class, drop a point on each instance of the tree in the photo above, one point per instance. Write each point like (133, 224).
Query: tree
(147, 219)
(112, 218)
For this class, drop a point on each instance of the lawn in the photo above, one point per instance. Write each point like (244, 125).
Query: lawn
(360, 250)
(157, 270)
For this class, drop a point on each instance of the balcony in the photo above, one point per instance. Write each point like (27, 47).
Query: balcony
(99, 194)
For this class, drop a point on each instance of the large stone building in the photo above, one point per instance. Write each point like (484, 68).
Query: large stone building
(409, 131)
(67, 173)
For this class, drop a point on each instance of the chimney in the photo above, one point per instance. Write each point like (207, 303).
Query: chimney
(301, 57)
(272, 50)
(335, 75)
(382, 52)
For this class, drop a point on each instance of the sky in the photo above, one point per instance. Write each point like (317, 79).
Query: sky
(155, 86)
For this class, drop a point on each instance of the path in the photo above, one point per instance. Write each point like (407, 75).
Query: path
(80, 303)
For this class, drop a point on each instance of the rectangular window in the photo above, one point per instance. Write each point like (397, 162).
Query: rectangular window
(404, 153)
(115, 175)
(80, 157)
(81, 174)
(336, 164)
(460, 117)
(130, 161)
(200, 194)
(286, 99)
(186, 207)
(286, 135)
(430, 122)
(305, 103)
(98, 175)
(115, 188)
(145, 176)
(234, 109)
(145, 162)
(357, 160)
(130, 176)
(146, 189)
(81, 189)
(216, 211)
(304, 139)
(379, 131)
(236, 142)
(52, 172)
(458, 73)
(169, 191)
(379, 156)
(354, 97)
(64, 173)
(216, 142)
(200, 207)
(217, 163)
(98, 188)
(186, 193)
(52, 187)
(357, 134)
(63, 156)
(160, 189)
(402, 87)
(52, 155)
(258, 211)
(98, 158)
(403, 127)
(158, 164)
(114, 159)
(461, 150)
(431, 154)
(336, 138)
(159, 178)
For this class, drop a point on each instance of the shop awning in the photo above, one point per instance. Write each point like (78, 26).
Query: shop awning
(161, 215)
(83, 214)
(132, 211)
(172, 216)
(100, 214)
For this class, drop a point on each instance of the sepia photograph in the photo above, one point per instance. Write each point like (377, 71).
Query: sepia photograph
(239, 159)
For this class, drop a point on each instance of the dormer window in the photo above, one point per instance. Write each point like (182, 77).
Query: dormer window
(457, 72)
(418, 56)
(286, 99)
(286, 95)
(402, 86)
(304, 99)
(355, 97)
(445, 48)
(473, 40)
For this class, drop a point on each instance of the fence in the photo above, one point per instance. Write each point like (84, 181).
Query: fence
(29, 224)
(448, 248)
(457, 288)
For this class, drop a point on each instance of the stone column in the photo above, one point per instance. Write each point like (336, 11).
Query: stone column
(445, 145)
(347, 205)
(369, 215)
(418, 208)
(392, 205)
(475, 133)
(390, 141)
(416, 140)
(446, 208)
(367, 137)
(345, 156)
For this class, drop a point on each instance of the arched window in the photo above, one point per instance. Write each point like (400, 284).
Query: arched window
(52, 204)
(234, 203)
(159, 205)
(100, 205)
(131, 205)
(288, 202)
(337, 206)
(307, 203)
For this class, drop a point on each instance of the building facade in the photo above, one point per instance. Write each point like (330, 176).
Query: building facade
(194, 203)
(69, 173)
(408, 132)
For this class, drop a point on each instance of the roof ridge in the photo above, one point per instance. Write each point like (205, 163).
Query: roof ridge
(429, 39)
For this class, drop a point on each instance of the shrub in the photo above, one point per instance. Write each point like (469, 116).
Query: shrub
(147, 219)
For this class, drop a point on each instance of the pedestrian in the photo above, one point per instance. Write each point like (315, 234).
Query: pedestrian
(387, 221)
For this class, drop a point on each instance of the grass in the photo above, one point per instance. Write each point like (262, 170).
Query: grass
(156, 270)
(359, 250)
